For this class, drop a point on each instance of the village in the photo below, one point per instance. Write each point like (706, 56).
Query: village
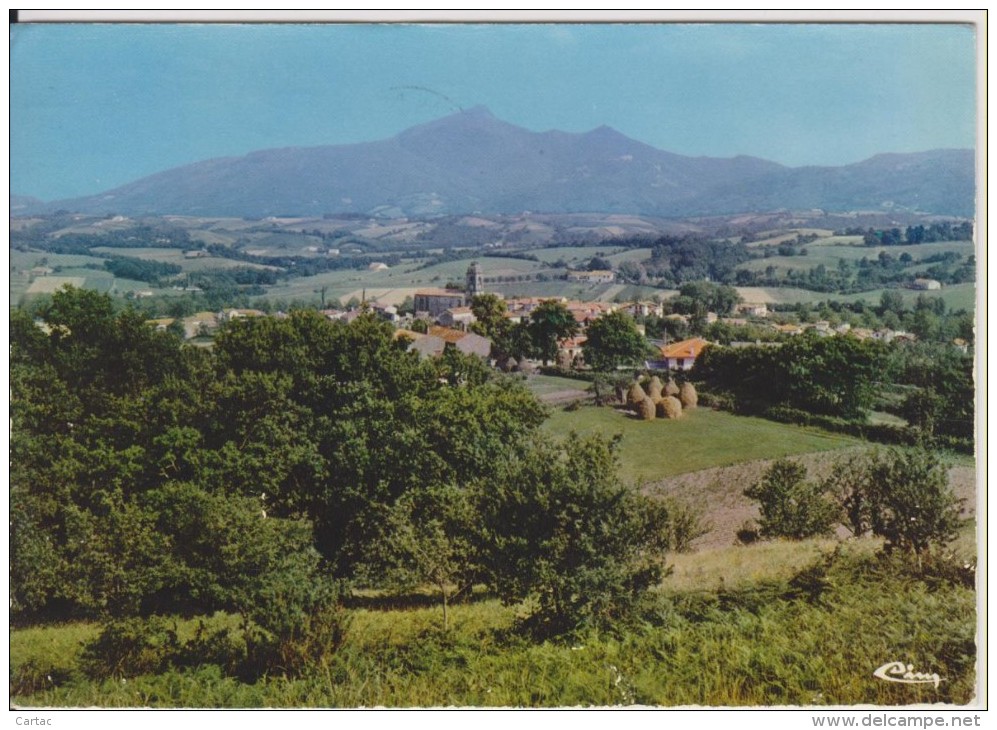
(444, 317)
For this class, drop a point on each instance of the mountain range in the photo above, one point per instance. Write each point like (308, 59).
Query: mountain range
(472, 162)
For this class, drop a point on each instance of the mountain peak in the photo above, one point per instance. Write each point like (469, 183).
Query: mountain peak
(478, 110)
(476, 120)
(472, 160)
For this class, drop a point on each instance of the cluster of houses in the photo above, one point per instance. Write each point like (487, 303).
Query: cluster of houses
(448, 318)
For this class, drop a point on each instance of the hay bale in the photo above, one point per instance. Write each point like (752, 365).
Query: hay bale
(671, 388)
(635, 395)
(645, 409)
(669, 407)
(654, 389)
(687, 394)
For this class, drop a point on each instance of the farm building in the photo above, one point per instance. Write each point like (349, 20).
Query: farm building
(435, 302)
(753, 309)
(680, 355)
(457, 317)
(387, 312)
(435, 342)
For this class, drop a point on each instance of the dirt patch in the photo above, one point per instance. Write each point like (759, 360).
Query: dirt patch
(719, 492)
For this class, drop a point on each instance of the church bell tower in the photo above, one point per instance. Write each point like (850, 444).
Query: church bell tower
(475, 281)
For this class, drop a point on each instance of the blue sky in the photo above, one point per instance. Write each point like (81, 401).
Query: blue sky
(96, 106)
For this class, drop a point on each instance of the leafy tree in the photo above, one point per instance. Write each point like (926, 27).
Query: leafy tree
(925, 324)
(791, 506)
(489, 313)
(891, 300)
(558, 526)
(922, 409)
(829, 375)
(598, 263)
(429, 539)
(631, 271)
(911, 504)
(848, 485)
(826, 375)
(613, 340)
(550, 323)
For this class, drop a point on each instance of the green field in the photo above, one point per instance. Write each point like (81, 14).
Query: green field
(26, 260)
(574, 256)
(634, 254)
(348, 282)
(542, 385)
(21, 263)
(829, 251)
(957, 296)
(176, 256)
(701, 439)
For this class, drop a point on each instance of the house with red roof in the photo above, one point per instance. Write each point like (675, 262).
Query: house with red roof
(682, 355)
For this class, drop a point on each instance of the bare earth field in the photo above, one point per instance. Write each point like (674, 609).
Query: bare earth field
(720, 491)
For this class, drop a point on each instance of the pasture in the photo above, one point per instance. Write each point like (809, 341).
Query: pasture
(411, 276)
(702, 438)
(176, 256)
(546, 385)
(828, 253)
(574, 256)
(957, 296)
(51, 284)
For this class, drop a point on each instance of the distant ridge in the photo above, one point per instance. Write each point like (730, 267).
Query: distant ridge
(473, 162)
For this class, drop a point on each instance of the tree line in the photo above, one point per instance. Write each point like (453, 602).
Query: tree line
(149, 477)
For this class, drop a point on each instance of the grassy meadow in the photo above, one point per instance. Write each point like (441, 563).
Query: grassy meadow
(957, 296)
(830, 251)
(768, 624)
(701, 439)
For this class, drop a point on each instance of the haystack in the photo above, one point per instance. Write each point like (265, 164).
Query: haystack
(687, 394)
(645, 409)
(635, 395)
(654, 389)
(671, 388)
(669, 407)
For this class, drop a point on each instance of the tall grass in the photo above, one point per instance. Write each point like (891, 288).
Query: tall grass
(751, 633)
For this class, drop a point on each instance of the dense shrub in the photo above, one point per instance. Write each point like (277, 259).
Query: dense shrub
(685, 523)
(910, 502)
(791, 506)
(561, 529)
(130, 647)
